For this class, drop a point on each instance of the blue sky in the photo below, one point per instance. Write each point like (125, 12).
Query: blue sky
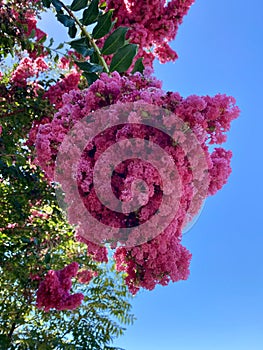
(220, 307)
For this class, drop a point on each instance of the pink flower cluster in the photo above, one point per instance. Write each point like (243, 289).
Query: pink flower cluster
(220, 170)
(26, 21)
(26, 69)
(55, 92)
(163, 258)
(85, 276)
(153, 24)
(54, 290)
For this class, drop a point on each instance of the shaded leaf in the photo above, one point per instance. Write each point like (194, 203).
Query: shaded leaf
(47, 258)
(78, 5)
(115, 41)
(89, 67)
(72, 31)
(82, 46)
(91, 14)
(46, 3)
(138, 66)
(103, 26)
(57, 4)
(91, 77)
(66, 20)
(122, 59)
(94, 58)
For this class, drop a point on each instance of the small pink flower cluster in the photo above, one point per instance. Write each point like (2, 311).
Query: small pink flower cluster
(220, 170)
(26, 18)
(159, 261)
(85, 276)
(26, 69)
(153, 24)
(55, 92)
(54, 290)
(163, 258)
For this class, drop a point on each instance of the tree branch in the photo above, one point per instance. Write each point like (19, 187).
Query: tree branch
(89, 37)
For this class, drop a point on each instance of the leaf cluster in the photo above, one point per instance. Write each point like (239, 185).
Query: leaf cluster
(94, 25)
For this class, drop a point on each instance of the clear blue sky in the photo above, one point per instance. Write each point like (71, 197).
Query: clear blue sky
(220, 307)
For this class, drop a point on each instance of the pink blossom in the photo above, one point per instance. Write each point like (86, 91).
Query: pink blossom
(163, 258)
(152, 25)
(54, 290)
(56, 91)
(85, 276)
(220, 170)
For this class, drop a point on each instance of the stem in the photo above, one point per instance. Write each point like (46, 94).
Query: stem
(12, 113)
(13, 326)
(89, 37)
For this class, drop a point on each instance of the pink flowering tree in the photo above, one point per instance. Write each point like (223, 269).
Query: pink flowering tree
(87, 130)
(53, 295)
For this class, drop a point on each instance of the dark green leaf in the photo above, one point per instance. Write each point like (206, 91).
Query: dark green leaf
(72, 31)
(25, 240)
(57, 4)
(94, 58)
(46, 3)
(138, 66)
(91, 77)
(51, 41)
(66, 20)
(81, 46)
(90, 15)
(47, 258)
(78, 5)
(122, 59)
(89, 67)
(115, 41)
(103, 26)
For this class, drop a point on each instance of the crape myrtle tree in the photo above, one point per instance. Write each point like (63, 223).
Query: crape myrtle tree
(59, 289)
(36, 240)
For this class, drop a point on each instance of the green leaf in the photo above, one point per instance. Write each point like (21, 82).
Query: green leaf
(81, 46)
(89, 67)
(51, 42)
(42, 40)
(122, 59)
(47, 258)
(25, 240)
(66, 20)
(90, 15)
(94, 58)
(57, 4)
(91, 77)
(78, 5)
(115, 41)
(138, 66)
(103, 5)
(46, 3)
(60, 46)
(32, 34)
(103, 26)
(72, 31)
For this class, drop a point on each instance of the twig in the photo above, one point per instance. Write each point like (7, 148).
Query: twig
(89, 37)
